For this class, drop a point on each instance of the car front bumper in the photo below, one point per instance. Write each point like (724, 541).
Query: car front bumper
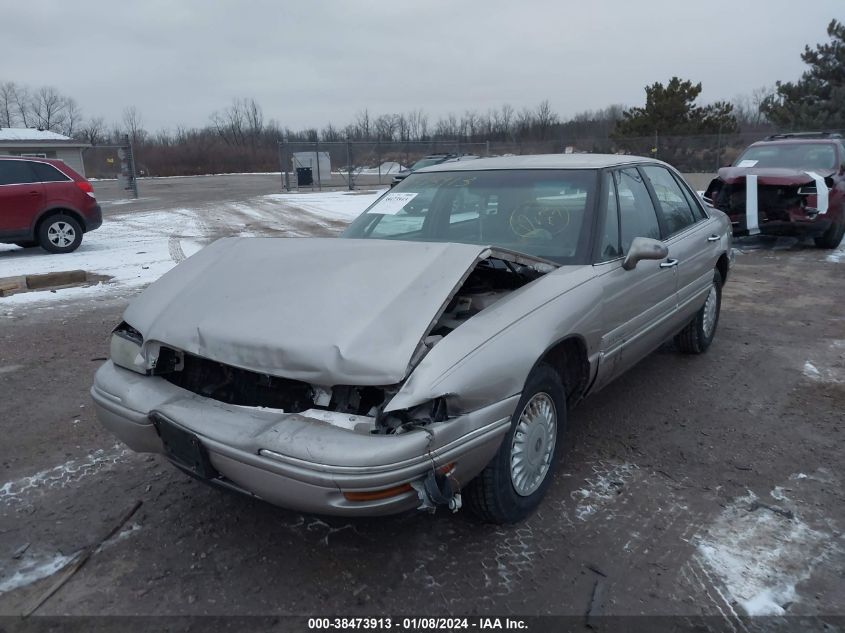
(294, 461)
(797, 226)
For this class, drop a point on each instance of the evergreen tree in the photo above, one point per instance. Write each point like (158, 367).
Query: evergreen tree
(817, 100)
(670, 110)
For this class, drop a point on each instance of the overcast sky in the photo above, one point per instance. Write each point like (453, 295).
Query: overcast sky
(315, 61)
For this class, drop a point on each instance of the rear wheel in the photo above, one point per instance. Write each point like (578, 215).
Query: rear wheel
(833, 236)
(696, 337)
(60, 234)
(512, 485)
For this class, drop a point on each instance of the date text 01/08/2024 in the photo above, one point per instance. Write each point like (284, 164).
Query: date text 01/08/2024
(417, 624)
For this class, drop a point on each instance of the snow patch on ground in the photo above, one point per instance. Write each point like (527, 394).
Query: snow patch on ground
(339, 205)
(31, 568)
(761, 551)
(602, 488)
(124, 534)
(811, 371)
(837, 256)
(61, 475)
(828, 366)
(134, 249)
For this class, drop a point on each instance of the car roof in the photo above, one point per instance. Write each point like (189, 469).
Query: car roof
(542, 161)
(798, 141)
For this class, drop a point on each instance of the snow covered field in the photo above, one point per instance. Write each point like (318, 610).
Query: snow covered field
(135, 248)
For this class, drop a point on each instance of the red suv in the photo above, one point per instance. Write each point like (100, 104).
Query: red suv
(44, 202)
(798, 188)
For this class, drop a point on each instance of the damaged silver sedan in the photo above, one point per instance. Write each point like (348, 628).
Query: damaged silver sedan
(431, 355)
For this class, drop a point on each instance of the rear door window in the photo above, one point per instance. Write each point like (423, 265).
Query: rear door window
(636, 210)
(48, 173)
(16, 172)
(673, 207)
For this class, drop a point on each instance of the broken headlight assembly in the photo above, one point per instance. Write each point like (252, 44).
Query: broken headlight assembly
(126, 344)
(435, 410)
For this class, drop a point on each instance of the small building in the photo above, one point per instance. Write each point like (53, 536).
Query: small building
(15, 141)
(317, 165)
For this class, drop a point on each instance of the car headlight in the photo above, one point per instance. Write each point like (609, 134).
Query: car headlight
(126, 348)
(436, 410)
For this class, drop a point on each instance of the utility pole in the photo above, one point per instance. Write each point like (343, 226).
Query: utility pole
(319, 180)
(128, 177)
(349, 163)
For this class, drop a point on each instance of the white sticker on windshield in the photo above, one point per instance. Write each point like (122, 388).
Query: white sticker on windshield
(392, 203)
(746, 163)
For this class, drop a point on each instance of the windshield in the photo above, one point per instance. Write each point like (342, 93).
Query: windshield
(794, 155)
(545, 213)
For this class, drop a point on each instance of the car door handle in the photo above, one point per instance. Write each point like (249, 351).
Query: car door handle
(669, 263)
(713, 238)
(35, 193)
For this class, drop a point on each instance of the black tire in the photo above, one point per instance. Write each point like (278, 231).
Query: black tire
(695, 338)
(833, 236)
(27, 243)
(492, 496)
(59, 234)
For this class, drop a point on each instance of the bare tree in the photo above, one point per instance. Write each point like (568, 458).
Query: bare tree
(72, 118)
(49, 108)
(362, 122)
(402, 127)
(133, 125)
(331, 134)
(254, 117)
(544, 119)
(93, 131)
(8, 115)
(23, 105)
(523, 124)
(385, 127)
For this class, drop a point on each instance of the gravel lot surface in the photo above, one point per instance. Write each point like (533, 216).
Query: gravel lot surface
(692, 485)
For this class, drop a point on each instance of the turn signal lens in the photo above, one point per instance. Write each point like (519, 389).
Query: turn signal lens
(375, 495)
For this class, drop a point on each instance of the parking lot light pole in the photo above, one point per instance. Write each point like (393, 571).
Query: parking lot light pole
(284, 160)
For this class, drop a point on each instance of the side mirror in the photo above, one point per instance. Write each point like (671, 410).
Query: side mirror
(644, 248)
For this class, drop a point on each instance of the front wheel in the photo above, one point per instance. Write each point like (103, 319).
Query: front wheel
(696, 337)
(512, 485)
(833, 235)
(60, 234)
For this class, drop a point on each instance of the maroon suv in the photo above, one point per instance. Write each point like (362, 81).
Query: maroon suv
(44, 202)
(787, 184)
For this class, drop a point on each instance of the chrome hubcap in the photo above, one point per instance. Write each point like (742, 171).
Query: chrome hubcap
(61, 234)
(709, 317)
(533, 444)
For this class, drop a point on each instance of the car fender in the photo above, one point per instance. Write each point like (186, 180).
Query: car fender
(489, 357)
(57, 206)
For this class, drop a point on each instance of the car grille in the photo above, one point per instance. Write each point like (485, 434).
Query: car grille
(773, 202)
(234, 385)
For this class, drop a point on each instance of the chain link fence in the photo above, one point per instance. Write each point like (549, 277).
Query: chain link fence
(352, 164)
(356, 164)
(361, 164)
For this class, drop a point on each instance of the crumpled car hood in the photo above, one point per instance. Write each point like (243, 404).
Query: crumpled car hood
(771, 175)
(323, 310)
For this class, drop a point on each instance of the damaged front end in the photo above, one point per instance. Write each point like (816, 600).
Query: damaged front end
(290, 434)
(772, 201)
